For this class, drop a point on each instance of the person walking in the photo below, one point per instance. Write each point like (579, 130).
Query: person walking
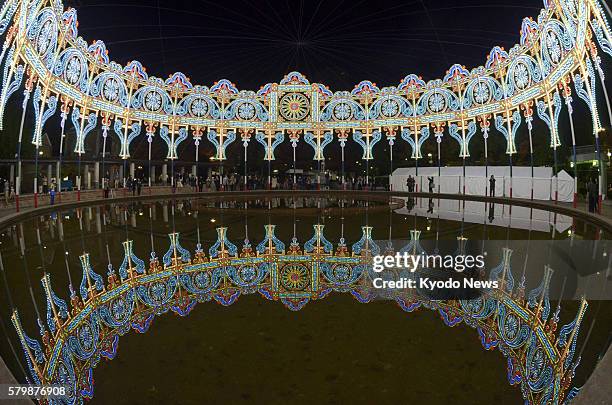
(432, 186)
(492, 186)
(139, 186)
(52, 196)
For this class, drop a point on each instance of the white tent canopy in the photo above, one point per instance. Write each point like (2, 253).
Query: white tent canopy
(476, 182)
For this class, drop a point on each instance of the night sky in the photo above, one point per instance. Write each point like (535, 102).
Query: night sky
(335, 42)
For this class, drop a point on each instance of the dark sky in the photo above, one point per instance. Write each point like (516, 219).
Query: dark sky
(336, 42)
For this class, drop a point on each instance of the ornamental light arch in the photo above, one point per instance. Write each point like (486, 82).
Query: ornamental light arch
(44, 54)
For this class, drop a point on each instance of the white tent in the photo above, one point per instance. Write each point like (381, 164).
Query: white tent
(543, 184)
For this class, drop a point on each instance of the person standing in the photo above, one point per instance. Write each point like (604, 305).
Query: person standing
(592, 195)
(52, 196)
(139, 185)
(432, 186)
(410, 183)
(492, 186)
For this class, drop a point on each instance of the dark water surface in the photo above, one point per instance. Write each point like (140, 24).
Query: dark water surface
(334, 350)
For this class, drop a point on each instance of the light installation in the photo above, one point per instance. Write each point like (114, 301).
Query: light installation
(75, 336)
(44, 55)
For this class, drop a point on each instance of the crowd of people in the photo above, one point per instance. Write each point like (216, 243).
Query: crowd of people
(235, 182)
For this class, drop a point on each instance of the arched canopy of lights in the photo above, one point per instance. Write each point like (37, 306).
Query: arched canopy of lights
(75, 336)
(62, 73)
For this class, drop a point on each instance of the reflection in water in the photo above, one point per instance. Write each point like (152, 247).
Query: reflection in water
(285, 254)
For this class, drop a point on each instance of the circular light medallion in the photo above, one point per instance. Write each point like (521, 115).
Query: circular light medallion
(294, 277)
(294, 106)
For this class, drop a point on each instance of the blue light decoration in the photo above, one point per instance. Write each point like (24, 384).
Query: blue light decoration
(221, 141)
(126, 138)
(269, 140)
(81, 129)
(464, 139)
(270, 242)
(500, 124)
(367, 139)
(175, 251)
(41, 119)
(551, 122)
(415, 145)
(171, 141)
(585, 88)
(130, 262)
(318, 142)
(10, 84)
(91, 281)
(318, 243)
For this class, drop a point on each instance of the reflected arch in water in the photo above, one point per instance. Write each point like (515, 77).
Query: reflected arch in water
(76, 337)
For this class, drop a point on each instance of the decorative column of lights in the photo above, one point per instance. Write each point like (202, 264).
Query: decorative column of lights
(83, 130)
(485, 126)
(367, 137)
(528, 113)
(106, 122)
(597, 61)
(270, 138)
(412, 84)
(551, 118)
(12, 76)
(455, 75)
(390, 133)
(508, 124)
(10, 84)
(245, 136)
(197, 137)
(126, 134)
(172, 140)
(178, 84)
(221, 137)
(24, 106)
(343, 135)
(318, 139)
(65, 108)
(294, 138)
(567, 95)
(463, 140)
(496, 58)
(150, 127)
(584, 82)
(41, 116)
(416, 142)
(439, 134)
